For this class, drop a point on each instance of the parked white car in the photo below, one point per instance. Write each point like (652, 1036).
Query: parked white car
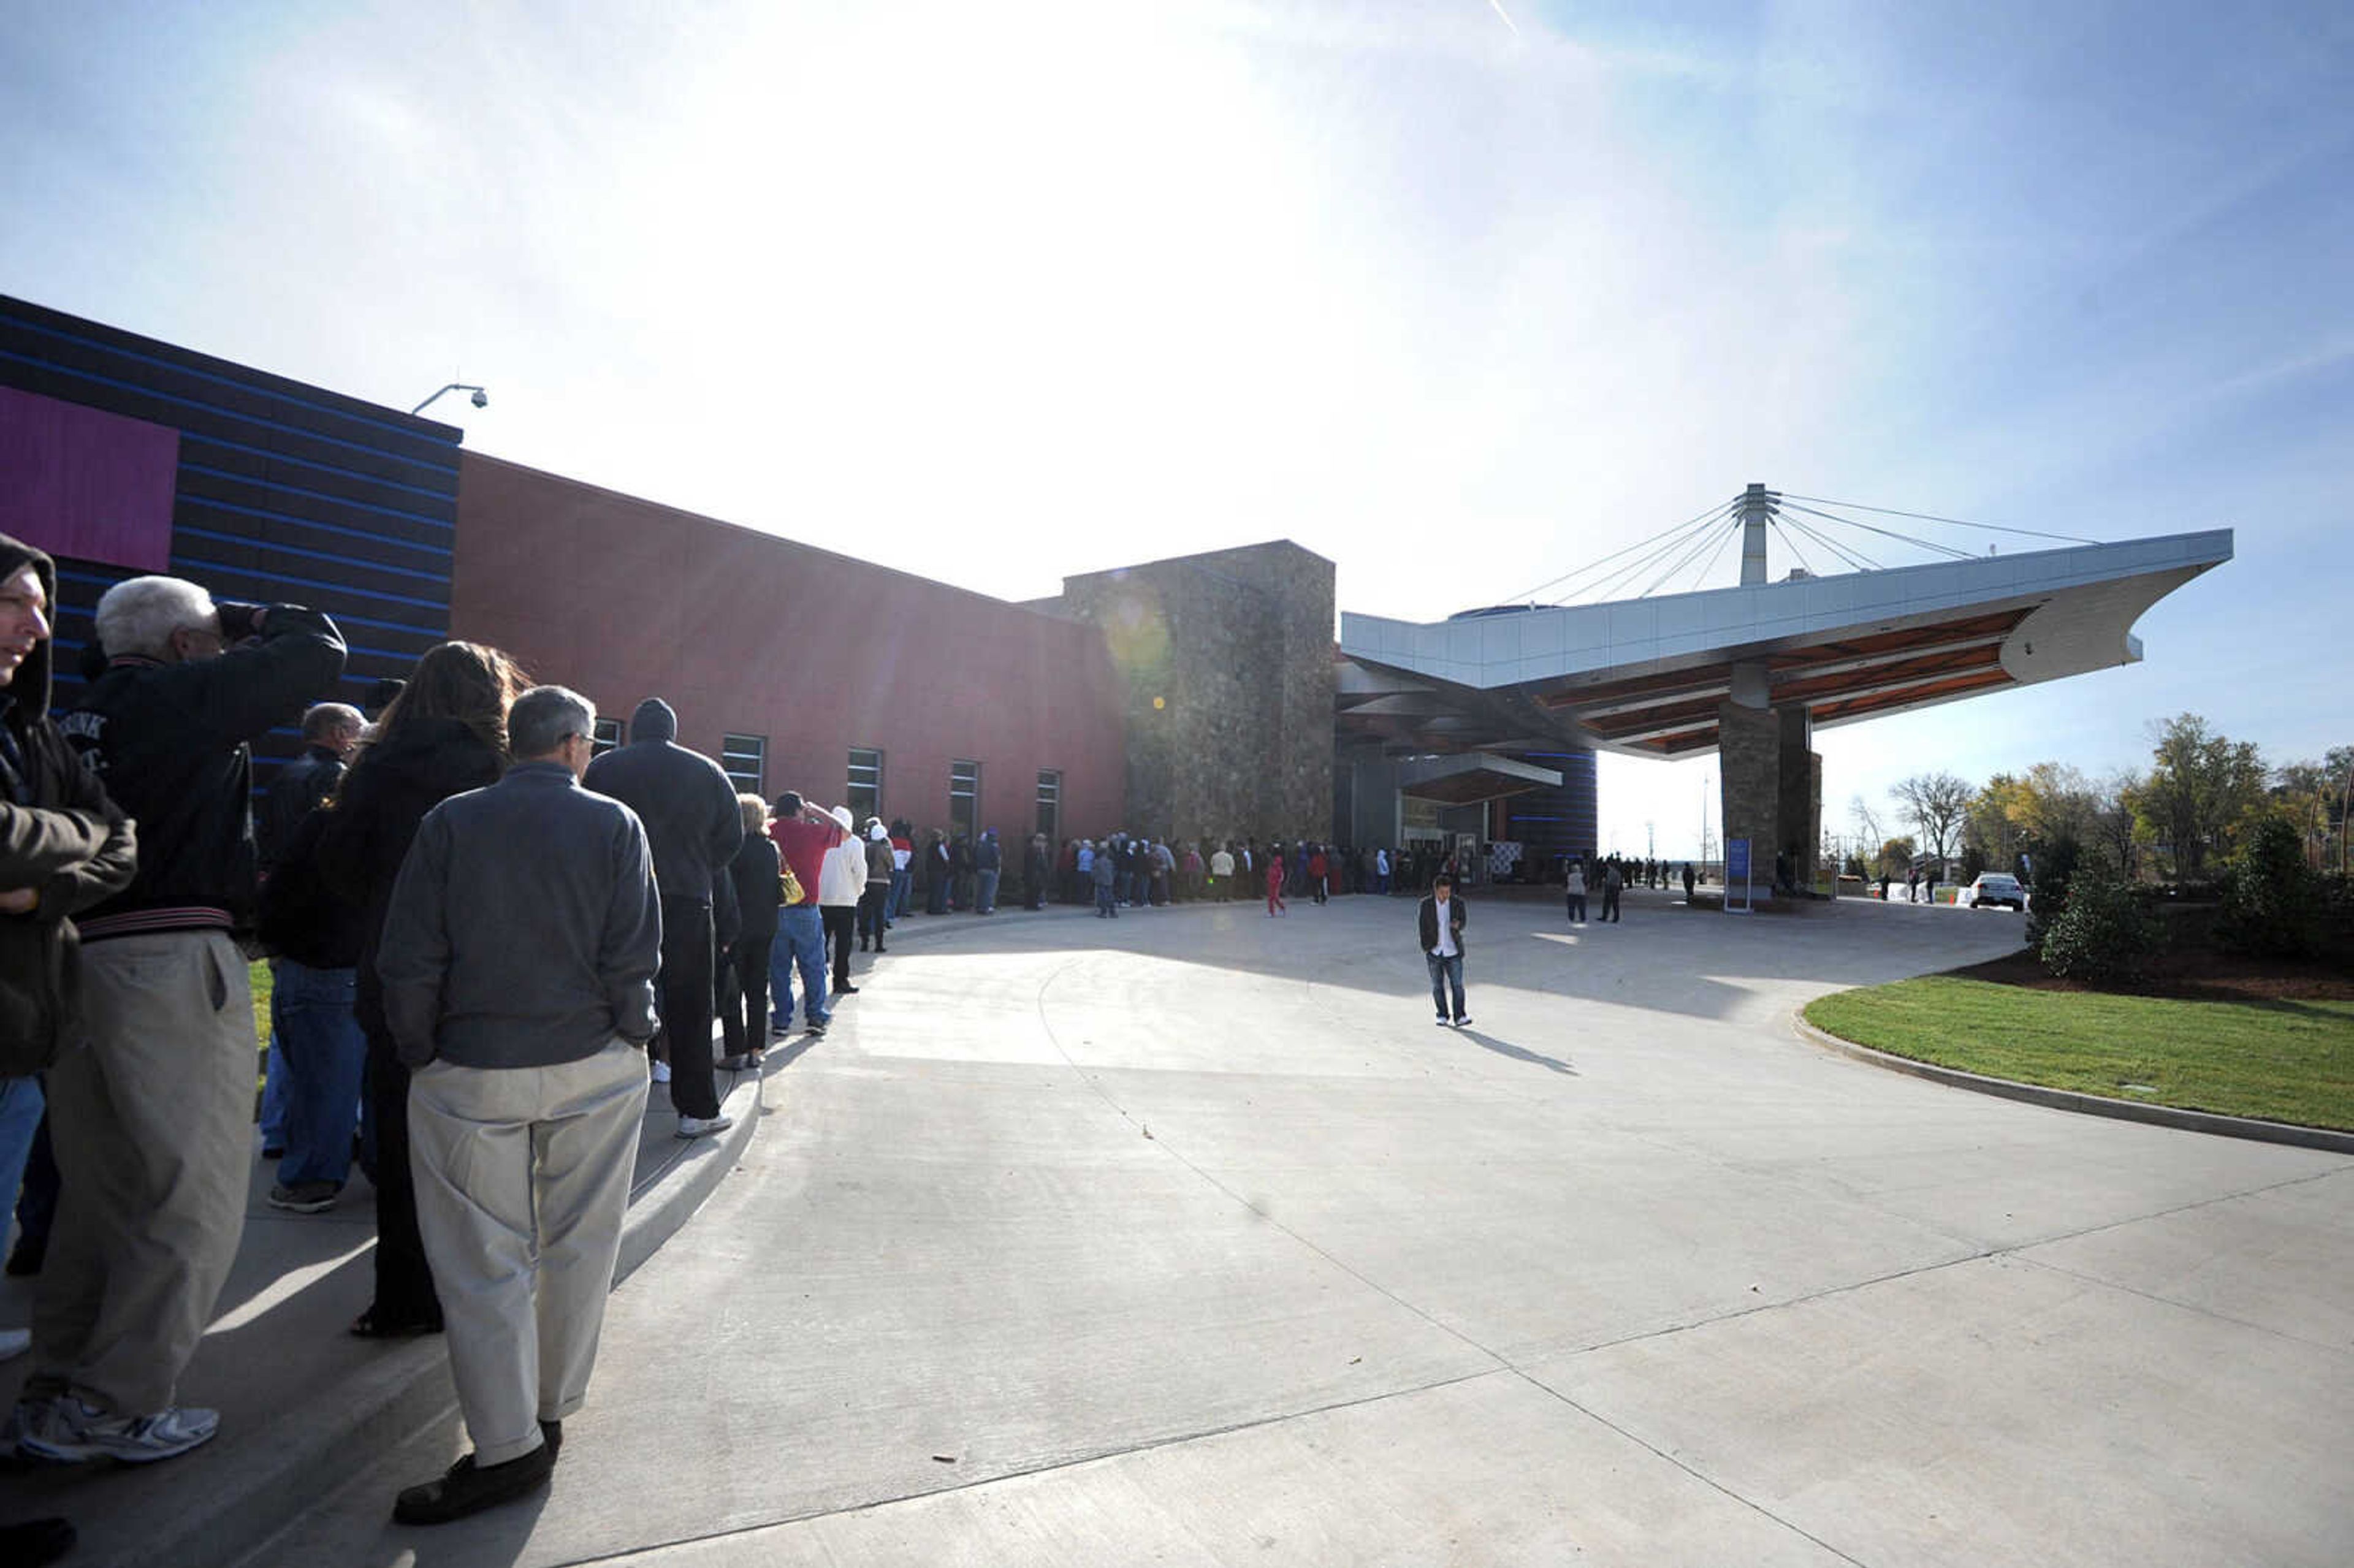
(1994, 887)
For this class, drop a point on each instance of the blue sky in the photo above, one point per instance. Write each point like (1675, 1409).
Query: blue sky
(999, 293)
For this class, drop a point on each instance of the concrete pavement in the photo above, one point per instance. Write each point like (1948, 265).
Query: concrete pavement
(1188, 1238)
(302, 1402)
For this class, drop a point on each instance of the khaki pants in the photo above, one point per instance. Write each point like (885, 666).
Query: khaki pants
(523, 1176)
(153, 1126)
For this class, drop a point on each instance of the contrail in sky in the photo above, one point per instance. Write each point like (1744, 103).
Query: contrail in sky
(1498, 6)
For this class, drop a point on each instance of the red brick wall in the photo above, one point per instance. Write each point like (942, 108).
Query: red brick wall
(746, 634)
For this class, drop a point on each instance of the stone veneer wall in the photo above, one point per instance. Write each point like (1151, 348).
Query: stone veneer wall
(1749, 748)
(1799, 811)
(1235, 647)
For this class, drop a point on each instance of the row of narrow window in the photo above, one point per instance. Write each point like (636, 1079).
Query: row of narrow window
(744, 759)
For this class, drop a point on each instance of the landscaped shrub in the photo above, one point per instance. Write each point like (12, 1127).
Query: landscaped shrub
(2047, 893)
(2101, 933)
(2273, 903)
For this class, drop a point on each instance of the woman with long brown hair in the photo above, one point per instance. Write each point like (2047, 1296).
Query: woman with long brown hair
(445, 734)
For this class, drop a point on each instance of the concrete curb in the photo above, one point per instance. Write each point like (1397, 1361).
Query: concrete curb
(315, 1446)
(2281, 1132)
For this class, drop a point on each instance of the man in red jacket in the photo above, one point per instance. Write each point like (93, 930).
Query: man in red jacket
(804, 835)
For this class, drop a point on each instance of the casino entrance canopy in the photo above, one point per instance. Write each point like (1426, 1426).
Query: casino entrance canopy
(1649, 677)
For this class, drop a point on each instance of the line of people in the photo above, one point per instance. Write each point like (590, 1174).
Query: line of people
(479, 930)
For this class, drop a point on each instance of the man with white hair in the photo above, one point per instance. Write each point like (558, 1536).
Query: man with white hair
(519, 958)
(151, 1124)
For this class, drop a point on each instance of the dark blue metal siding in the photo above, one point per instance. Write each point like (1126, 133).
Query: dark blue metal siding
(285, 492)
(1554, 822)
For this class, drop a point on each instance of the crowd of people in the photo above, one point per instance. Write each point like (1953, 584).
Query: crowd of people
(1124, 870)
(1612, 875)
(481, 932)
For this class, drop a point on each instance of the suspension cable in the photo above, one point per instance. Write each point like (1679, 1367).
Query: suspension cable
(1620, 576)
(1626, 575)
(1790, 538)
(1932, 517)
(1904, 538)
(1613, 554)
(1849, 553)
(1710, 564)
(1687, 558)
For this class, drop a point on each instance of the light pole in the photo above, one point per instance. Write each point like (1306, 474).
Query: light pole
(482, 400)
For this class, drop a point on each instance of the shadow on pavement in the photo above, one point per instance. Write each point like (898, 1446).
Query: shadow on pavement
(1517, 1052)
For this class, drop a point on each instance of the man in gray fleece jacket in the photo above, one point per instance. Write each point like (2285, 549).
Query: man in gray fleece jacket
(518, 963)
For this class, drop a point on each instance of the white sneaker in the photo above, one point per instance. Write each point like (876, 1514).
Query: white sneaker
(72, 1431)
(661, 1072)
(15, 1342)
(29, 1415)
(703, 1125)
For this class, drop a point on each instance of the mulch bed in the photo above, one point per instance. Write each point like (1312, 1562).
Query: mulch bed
(2193, 973)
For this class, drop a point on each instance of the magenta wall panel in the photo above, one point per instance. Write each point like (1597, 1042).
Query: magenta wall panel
(82, 482)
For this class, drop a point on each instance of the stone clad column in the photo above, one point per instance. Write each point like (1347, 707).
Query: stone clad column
(1749, 747)
(1798, 789)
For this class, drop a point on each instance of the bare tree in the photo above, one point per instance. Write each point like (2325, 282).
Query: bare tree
(1867, 822)
(1936, 803)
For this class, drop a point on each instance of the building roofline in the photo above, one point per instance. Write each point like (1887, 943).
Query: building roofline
(468, 456)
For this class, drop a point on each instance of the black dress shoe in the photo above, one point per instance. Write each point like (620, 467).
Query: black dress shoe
(469, 1489)
(375, 1325)
(845, 991)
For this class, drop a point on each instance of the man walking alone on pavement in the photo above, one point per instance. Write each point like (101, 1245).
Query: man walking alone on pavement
(1442, 918)
(518, 959)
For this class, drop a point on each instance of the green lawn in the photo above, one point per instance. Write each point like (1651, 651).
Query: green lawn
(259, 969)
(2282, 1061)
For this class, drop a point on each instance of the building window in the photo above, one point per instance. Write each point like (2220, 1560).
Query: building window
(964, 797)
(745, 760)
(865, 783)
(609, 736)
(1050, 800)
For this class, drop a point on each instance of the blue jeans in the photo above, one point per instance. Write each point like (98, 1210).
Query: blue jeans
(985, 897)
(800, 943)
(20, 1117)
(273, 1092)
(327, 1058)
(1104, 904)
(1445, 972)
(898, 904)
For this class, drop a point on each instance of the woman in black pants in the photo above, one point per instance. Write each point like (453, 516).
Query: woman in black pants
(446, 733)
(744, 1015)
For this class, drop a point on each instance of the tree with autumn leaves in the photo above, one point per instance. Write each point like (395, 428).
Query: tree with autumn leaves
(2195, 807)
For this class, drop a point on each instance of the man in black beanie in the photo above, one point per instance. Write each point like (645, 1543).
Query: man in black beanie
(692, 820)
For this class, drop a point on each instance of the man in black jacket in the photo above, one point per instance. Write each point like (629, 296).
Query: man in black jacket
(693, 822)
(330, 732)
(152, 1125)
(318, 1054)
(1441, 919)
